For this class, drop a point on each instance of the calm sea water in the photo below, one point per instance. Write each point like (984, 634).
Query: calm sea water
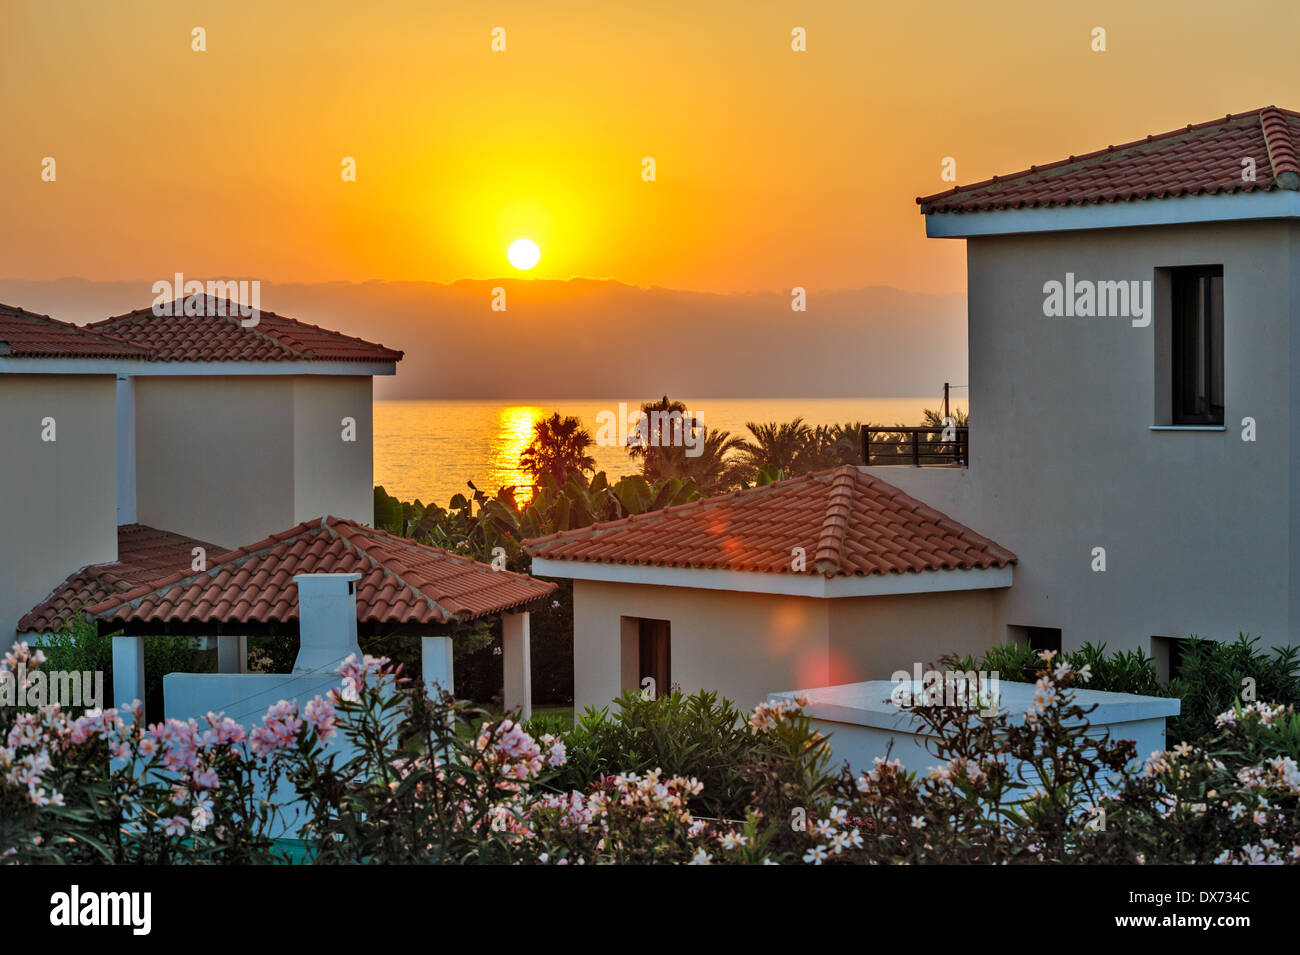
(429, 449)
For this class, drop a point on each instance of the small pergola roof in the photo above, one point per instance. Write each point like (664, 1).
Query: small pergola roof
(405, 587)
(144, 554)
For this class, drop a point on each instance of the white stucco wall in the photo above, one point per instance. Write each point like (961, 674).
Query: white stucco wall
(231, 459)
(57, 499)
(872, 637)
(1200, 528)
(333, 476)
(742, 645)
(215, 455)
(747, 645)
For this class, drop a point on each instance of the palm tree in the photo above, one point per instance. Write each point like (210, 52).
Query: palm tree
(652, 443)
(775, 446)
(830, 445)
(713, 470)
(559, 448)
(934, 419)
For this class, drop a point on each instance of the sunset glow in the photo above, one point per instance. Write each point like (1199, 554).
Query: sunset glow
(773, 168)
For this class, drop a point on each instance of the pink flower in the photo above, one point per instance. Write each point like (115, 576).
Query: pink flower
(176, 826)
(321, 717)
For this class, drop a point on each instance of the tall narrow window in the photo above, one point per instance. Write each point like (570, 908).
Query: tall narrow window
(1197, 340)
(655, 652)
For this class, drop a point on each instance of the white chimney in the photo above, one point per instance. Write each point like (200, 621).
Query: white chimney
(327, 621)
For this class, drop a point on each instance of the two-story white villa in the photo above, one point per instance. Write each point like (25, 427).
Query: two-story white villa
(206, 429)
(1134, 381)
(1137, 456)
(194, 469)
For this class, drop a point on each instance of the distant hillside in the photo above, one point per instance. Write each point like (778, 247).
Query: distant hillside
(585, 338)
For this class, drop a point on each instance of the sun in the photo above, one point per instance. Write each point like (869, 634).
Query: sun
(523, 254)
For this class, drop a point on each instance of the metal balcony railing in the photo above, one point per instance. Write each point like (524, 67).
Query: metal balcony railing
(918, 447)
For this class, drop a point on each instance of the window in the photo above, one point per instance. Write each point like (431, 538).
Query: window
(1036, 638)
(1044, 638)
(1196, 345)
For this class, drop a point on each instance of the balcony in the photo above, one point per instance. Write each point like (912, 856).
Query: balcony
(916, 447)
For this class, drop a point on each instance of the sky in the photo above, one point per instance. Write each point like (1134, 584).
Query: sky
(773, 168)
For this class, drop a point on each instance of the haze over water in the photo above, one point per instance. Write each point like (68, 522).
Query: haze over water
(428, 449)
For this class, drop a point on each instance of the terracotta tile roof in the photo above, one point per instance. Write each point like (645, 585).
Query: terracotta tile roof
(218, 335)
(143, 554)
(25, 334)
(402, 582)
(1202, 159)
(849, 523)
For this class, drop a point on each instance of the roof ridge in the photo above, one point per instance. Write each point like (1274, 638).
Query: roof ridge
(415, 546)
(1281, 148)
(709, 500)
(236, 557)
(932, 513)
(829, 556)
(348, 542)
(281, 332)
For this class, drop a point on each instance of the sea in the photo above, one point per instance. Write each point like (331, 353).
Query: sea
(429, 449)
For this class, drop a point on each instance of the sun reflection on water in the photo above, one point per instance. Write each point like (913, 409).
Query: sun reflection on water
(514, 432)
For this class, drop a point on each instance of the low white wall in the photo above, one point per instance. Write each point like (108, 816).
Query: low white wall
(245, 698)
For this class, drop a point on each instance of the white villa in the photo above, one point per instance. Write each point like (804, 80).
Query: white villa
(1135, 379)
(181, 473)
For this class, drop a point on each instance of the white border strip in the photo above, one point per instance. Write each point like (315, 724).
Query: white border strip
(790, 585)
(1280, 204)
(127, 366)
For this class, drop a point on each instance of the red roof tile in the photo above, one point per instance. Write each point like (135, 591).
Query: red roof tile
(1202, 159)
(25, 334)
(219, 335)
(402, 582)
(143, 554)
(848, 523)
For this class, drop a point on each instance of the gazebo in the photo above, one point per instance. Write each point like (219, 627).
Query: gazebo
(328, 581)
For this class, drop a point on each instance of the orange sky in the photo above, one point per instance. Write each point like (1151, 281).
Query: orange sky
(775, 168)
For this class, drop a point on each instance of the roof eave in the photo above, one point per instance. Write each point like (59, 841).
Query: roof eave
(1184, 210)
(146, 367)
(784, 584)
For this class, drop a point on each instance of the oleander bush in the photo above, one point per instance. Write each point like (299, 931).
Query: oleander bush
(1212, 676)
(377, 772)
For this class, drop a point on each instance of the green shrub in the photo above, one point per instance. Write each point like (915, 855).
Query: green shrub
(1124, 671)
(1213, 676)
(80, 647)
(697, 735)
(701, 736)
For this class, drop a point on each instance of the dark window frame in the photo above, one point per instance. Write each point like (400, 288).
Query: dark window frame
(1192, 307)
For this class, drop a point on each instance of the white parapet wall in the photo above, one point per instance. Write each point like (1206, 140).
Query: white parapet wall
(245, 698)
(864, 722)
